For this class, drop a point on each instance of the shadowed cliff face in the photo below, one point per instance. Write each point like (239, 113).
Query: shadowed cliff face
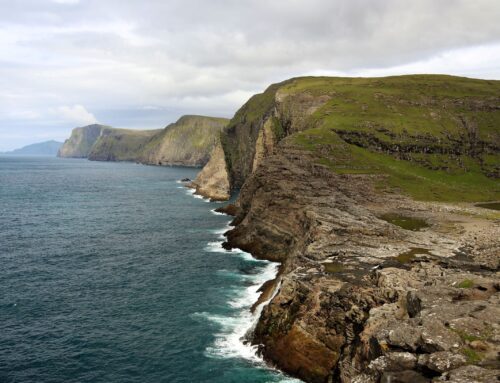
(360, 299)
(187, 142)
(81, 141)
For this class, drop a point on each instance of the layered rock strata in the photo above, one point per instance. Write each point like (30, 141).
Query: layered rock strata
(363, 300)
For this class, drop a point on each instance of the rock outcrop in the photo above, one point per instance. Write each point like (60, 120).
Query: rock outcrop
(330, 172)
(213, 180)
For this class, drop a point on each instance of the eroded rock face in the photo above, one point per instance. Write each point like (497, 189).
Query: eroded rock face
(348, 309)
(213, 180)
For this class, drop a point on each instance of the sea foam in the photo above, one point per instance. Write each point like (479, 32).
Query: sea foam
(234, 328)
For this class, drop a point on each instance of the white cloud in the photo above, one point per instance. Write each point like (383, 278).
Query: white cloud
(76, 114)
(130, 61)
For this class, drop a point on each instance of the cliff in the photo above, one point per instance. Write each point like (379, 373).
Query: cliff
(80, 142)
(120, 144)
(362, 189)
(187, 142)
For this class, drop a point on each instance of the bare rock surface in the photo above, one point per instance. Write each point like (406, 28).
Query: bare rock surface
(361, 299)
(213, 180)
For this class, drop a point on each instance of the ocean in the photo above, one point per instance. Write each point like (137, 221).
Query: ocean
(114, 272)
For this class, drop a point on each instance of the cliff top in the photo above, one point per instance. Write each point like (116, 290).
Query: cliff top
(433, 137)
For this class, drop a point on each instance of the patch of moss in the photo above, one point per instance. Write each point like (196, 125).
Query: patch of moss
(471, 355)
(405, 222)
(277, 128)
(410, 255)
(466, 284)
(333, 267)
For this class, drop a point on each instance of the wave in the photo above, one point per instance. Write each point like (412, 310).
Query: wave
(216, 212)
(235, 327)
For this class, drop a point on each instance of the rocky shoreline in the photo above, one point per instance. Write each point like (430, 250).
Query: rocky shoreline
(361, 299)
(374, 285)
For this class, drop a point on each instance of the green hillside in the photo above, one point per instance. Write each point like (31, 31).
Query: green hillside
(434, 137)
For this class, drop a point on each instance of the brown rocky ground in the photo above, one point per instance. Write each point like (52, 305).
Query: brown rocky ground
(363, 300)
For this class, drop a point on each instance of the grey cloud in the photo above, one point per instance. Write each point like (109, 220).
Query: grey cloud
(115, 57)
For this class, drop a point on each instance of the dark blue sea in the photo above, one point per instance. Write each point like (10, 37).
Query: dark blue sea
(113, 272)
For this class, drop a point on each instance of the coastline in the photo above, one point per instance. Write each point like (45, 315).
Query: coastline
(234, 339)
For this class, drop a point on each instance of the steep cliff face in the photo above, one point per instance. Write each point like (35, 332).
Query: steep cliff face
(121, 144)
(80, 143)
(323, 164)
(189, 142)
(213, 180)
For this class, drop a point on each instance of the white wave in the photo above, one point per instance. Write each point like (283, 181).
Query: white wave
(216, 212)
(233, 329)
(230, 340)
(215, 247)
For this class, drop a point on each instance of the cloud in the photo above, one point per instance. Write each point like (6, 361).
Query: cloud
(76, 114)
(197, 56)
(69, 2)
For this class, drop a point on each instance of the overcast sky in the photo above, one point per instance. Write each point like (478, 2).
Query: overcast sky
(143, 63)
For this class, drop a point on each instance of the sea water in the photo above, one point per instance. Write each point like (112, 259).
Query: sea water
(113, 272)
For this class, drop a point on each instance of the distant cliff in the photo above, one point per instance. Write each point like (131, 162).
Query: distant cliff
(79, 144)
(47, 148)
(187, 142)
(121, 144)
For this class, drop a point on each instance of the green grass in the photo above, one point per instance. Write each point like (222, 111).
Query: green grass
(430, 137)
(466, 284)
(472, 356)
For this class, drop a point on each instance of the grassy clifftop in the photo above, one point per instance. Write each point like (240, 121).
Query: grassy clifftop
(433, 137)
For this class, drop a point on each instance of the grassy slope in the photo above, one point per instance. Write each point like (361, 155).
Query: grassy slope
(121, 144)
(435, 137)
(191, 137)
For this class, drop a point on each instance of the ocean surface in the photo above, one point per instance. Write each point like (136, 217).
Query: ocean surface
(113, 272)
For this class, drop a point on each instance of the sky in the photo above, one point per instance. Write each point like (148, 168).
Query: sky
(144, 63)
